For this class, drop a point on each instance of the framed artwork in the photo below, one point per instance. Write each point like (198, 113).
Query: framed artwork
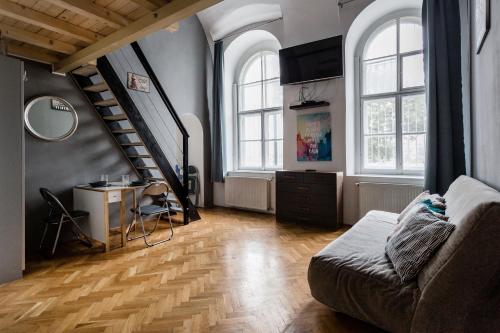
(138, 82)
(482, 22)
(314, 137)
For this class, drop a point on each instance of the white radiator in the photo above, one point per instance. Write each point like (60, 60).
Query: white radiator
(387, 197)
(248, 192)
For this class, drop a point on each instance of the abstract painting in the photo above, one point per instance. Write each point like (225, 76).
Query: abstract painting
(314, 137)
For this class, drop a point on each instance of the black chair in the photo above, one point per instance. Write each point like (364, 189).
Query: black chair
(58, 216)
(152, 204)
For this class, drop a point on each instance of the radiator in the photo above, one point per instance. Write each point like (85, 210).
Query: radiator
(248, 192)
(387, 197)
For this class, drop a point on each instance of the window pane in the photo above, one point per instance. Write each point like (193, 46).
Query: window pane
(280, 154)
(250, 127)
(251, 97)
(380, 76)
(379, 116)
(414, 114)
(410, 35)
(272, 66)
(414, 151)
(274, 94)
(253, 70)
(413, 71)
(382, 43)
(273, 124)
(380, 152)
(271, 156)
(251, 154)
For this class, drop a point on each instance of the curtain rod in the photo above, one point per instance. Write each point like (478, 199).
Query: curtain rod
(257, 25)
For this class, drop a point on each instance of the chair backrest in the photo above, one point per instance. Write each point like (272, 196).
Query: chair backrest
(156, 190)
(466, 266)
(55, 205)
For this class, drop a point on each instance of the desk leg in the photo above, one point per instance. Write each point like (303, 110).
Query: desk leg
(107, 247)
(123, 222)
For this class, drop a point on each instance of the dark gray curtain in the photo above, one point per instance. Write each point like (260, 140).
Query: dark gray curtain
(218, 112)
(442, 58)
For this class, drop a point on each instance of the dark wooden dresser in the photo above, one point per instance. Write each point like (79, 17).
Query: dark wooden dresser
(313, 198)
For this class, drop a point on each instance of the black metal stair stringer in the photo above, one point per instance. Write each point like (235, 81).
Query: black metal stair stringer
(128, 106)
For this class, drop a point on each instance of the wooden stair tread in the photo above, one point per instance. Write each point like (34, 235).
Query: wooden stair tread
(88, 70)
(107, 102)
(132, 144)
(116, 117)
(146, 168)
(96, 88)
(140, 156)
(123, 131)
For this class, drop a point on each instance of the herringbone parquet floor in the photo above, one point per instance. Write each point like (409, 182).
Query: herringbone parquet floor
(230, 272)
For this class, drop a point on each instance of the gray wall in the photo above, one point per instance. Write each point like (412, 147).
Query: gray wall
(485, 82)
(12, 167)
(182, 62)
(59, 166)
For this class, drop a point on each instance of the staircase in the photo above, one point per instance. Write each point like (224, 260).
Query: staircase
(123, 119)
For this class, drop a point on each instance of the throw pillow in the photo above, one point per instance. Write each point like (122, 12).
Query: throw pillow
(419, 198)
(412, 245)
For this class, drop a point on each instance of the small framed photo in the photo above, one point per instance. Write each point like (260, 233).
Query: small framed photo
(482, 22)
(138, 82)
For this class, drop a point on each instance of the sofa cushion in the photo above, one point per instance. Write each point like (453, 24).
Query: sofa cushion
(467, 201)
(353, 275)
(410, 248)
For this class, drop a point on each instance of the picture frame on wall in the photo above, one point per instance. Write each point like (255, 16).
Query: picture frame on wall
(482, 14)
(137, 82)
(314, 137)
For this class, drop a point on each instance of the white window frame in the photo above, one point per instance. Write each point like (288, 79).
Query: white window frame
(262, 112)
(398, 95)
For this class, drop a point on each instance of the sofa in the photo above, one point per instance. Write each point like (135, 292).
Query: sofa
(457, 291)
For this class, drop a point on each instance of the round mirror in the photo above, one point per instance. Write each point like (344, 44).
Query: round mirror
(50, 118)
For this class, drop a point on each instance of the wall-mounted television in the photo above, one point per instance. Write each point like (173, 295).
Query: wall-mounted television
(320, 60)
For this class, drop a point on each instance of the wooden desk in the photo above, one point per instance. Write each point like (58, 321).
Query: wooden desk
(96, 201)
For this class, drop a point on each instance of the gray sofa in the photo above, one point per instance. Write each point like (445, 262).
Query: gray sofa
(457, 291)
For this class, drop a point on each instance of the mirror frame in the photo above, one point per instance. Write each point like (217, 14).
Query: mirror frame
(34, 133)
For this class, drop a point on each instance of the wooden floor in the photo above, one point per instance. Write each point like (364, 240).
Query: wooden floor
(230, 272)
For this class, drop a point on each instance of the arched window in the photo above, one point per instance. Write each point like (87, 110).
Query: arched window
(392, 109)
(260, 113)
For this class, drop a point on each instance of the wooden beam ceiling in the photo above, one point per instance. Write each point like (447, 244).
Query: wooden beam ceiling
(71, 33)
(91, 10)
(169, 14)
(36, 39)
(41, 20)
(31, 54)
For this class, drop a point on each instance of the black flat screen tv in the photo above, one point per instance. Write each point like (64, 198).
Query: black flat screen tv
(320, 60)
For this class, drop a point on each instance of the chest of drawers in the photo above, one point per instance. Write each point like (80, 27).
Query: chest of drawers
(313, 198)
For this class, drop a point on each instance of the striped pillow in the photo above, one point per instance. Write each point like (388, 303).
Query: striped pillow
(412, 246)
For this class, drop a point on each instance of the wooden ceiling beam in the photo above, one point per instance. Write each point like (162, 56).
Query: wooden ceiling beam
(89, 9)
(36, 39)
(146, 4)
(169, 14)
(31, 54)
(30, 16)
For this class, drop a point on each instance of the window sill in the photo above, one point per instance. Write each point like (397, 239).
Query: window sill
(413, 179)
(246, 172)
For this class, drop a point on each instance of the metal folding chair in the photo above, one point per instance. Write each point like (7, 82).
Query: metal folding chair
(151, 204)
(58, 216)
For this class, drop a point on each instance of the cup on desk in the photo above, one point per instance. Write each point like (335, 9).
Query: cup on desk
(125, 180)
(105, 178)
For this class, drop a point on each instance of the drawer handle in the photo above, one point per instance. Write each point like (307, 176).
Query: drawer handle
(305, 209)
(302, 188)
